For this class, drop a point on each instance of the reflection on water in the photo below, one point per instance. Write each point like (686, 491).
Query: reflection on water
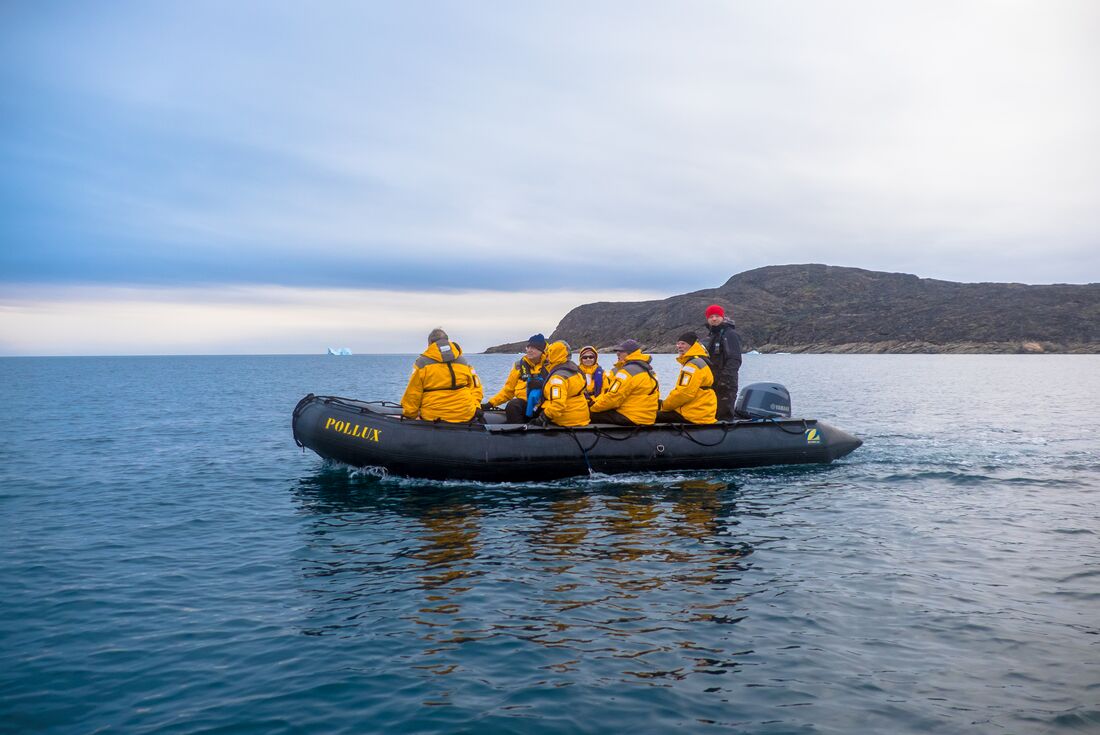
(582, 583)
(449, 541)
(941, 579)
(562, 528)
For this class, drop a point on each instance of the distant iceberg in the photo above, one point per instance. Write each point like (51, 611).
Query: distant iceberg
(339, 351)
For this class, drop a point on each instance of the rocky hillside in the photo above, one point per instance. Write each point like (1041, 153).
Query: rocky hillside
(821, 308)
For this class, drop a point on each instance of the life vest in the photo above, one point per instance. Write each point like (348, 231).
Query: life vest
(535, 380)
(529, 375)
(596, 377)
(450, 359)
(717, 358)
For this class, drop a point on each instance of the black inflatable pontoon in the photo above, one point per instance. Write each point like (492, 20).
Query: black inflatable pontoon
(365, 434)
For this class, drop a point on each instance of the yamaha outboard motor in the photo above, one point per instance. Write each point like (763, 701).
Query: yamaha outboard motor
(763, 401)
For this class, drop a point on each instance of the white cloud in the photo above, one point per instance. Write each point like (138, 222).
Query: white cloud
(950, 139)
(86, 320)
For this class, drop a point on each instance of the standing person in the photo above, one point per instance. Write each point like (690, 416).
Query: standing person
(526, 377)
(632, 397)
(563, 402)
(724, 348)
(443, 386)
(594, 376)
(692, 401)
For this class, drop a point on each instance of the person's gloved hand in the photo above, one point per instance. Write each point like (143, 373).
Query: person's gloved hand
(540, 420)
(486, 406)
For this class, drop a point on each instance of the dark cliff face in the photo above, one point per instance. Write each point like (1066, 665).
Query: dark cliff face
(820, 308)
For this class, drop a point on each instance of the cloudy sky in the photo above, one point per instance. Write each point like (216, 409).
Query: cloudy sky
(271, 177)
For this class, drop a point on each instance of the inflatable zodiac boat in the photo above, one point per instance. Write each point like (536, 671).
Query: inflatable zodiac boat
(373, 434)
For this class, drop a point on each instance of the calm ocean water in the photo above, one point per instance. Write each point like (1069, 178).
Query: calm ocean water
(172, 563)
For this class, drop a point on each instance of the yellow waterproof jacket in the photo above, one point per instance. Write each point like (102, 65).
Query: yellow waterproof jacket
(693, 397)
(563, 399)
(442, 386)
(516, 384)
(634, 391)
(590, 378)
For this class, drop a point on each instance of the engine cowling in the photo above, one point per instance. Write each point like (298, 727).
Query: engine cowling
(763, 401)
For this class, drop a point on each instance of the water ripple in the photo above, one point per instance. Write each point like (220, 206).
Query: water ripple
(174, 565)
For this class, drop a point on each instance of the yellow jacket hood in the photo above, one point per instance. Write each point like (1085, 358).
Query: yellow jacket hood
(696, 350)
(436, 351)
(556, 354)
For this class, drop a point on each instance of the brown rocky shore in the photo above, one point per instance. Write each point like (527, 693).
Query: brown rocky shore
(830, 309)
(955, 348)
(871, 348)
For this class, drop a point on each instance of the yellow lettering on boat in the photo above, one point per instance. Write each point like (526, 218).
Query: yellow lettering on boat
(359, 431)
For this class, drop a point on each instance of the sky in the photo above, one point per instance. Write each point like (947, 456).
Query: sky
(211, 177)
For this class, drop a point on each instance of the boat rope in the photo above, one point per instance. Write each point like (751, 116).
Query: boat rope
(633, 431)
(360, 406)
(302, 405)
(584, 452)
(294, 419)
(803, 430)
(683, 431)
(332, 400)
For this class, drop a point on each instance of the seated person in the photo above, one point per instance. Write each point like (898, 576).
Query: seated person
(596, 381)
(632, 397)
(527, 374)
(563, 400)
(443, 386)
(692, 401)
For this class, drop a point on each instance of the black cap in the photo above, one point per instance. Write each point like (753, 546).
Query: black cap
(689, 337)
(538, 342)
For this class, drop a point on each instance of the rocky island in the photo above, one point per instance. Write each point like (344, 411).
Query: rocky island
(822, 308)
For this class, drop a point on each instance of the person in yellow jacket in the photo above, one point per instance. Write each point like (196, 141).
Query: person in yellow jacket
(597, 380)
(529, 372)
(692, 401)
(634, 392)
(443, 386)
(563, 401)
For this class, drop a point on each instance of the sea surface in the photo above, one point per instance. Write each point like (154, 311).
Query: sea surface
(173, 563)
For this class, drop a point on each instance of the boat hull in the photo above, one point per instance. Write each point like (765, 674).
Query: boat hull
(367, 435)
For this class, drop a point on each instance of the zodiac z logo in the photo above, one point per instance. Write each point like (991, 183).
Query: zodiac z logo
(813, 436)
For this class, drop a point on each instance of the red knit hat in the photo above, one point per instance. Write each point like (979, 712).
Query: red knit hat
(714, 309)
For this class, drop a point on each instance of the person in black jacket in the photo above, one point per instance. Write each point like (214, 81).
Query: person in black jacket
(724, 348)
